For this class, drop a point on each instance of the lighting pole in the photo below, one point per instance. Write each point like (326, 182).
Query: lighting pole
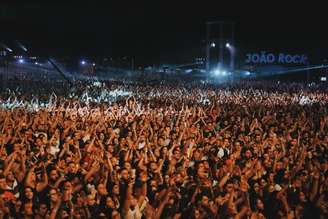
(308, 73)
(221, 46)
(132, 64)
(226, 33)
(208, 47)
(232, 51)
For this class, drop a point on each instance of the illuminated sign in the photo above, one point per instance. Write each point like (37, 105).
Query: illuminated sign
(271, 58)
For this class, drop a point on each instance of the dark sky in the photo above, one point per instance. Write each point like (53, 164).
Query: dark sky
(154, 31)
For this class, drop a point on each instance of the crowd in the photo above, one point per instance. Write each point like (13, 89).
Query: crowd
(128, 150)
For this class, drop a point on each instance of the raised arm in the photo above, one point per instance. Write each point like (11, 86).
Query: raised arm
(162, 204)
(21, 174)
(95, 167)
(143, 179)
(128, 198)
(42, 185)
(28, 181)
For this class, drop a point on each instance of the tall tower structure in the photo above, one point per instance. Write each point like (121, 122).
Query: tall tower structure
(220, 40)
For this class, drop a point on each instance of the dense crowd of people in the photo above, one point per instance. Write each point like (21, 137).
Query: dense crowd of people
(156, 150)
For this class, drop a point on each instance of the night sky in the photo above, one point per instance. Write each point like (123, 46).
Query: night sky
(158, 31)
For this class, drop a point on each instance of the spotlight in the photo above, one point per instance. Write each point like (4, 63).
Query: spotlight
(227, 45)
(83, 62)
(6, 47)
(21, 61)
(94, 64)
(213, 44)
(20, 45)
(217, 72)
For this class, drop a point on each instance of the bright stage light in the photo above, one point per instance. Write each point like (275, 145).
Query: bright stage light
(6, 47)
(217, 72)
(213, 44)
(94, 64)
(21, 46)
(83, 62)
(323, 79)
(21, 61)
(227, 45)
